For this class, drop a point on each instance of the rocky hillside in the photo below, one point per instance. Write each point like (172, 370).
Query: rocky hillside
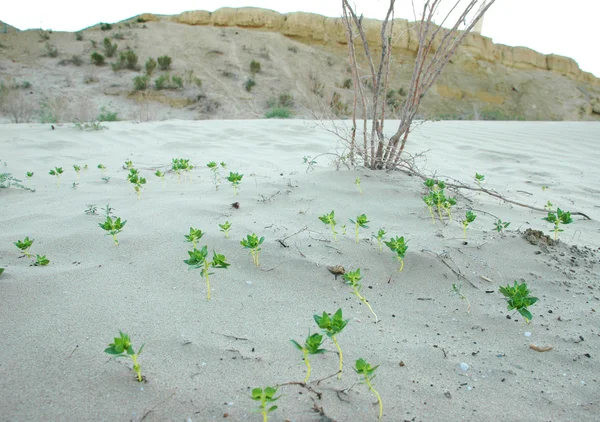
(300, 65)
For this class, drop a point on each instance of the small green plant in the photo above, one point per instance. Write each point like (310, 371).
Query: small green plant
(77, 170)
(51, 50)
(91, 209)
(150, 66)
(160, 175)
(279, 113)
(361, 221)
(353, 278)
(102, 167)
(469, 218)
(380, 236)
(107, 116)
(254, 67)
(136, 180)
(235, 179)
(363, 368)
(518, 298)
(253, 243)
(97, 59)
(29, 174)
(436, 197)
(164, 62)
(311, 346)
(357, 183)
(90, 126)
(225, 227)
(109, 48)
(108, 210)
(398, 245)
(179, 165)
(56, 172)
(105, 26)
(330, 219)
(127, 60)
(1, 271)
(113, 227)
(194, 236)
(332, 326)
(122, 348)
(24, 245)
(548, 206)
(128, 164)
(41, 261)
(500, 225)
(140, 83)
(79, 36)
(309, 162)
(457, 289)
(557, 218)
(249, 84)
(198, 260)
(479, 178)
(265, 397)
(215, 170)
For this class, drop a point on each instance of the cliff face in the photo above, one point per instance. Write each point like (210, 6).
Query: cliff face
(312, 28)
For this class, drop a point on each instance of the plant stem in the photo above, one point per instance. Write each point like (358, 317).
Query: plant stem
(401, 264)
(136, 367)
(235, 188)
(379, 243)
(114, 236)
(305, 351)
(376, 394)
(263, 411)
(431, 213)
(448, 212)
(363, 300)
(341, 355)
(356, 233)
(207, 280)
(465, 230)
(333, 231)
(439, 207)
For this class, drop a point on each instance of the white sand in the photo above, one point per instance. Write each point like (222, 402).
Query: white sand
(55, 321)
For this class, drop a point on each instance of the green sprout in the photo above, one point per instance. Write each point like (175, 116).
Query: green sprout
(343, 229)
(24, 245)
(500, 226)
(198, 261)
(128, 164)
(353, 278)
(1, 271)
(437, 197)
(215, 170)
(160, 175)
(469, 218)
(136, 180)
(518, 298)
(363, 368)
(252, 242)
(332, 326)
(361, 221)
(430, 202)
(265, 397)
(457, 289)
(41, 261)
(398, 245)
(121, 348)
(225, 227)
(235, 179)
(194, 236)
(102, 167)
(113, 227)
(77, 170)
(181, 164)
(29, 174)
(548, 206)
(56, 172)
(357, 182)
(380, 236)
(311, 346)
(330, 219)
(558, 218)
(85, 167)
(479, 178)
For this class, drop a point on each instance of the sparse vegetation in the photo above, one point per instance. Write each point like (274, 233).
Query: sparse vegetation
(164, 62)
(127, 60)
(278, 112)
(254, 67)
(315, 85)
(44, 35)
(105, 26)
(167, 82)
(107, 115)
(249, 84)
(293, 49)
(51, 50)
(140, 83)
(339, 107)
(97, 59)
(76, 60)
(109, 48)
(150, 66)
(79, 36)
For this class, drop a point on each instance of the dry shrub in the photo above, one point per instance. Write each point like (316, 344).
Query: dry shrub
(17, 106)
(145, 111)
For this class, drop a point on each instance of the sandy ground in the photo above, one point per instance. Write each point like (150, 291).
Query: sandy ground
(202, 358)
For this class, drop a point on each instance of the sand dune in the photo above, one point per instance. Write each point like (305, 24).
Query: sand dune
(202, 358)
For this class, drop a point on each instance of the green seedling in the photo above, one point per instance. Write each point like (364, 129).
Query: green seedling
(253, 243)
(128, 164)
(332, 326)
(265, 397)
(357, 182)
(398, 245)
(544, 187)
(457, 289)
(380, 236)
(24, 245)
(215, 170)
(160, 175)
(330, 219)
(198, 261)
(343, 229)
(311, 346)
(85, 167)
(361, 221)
(113, 227)
(121, 348)
(518, 298)
(479, 178)
(353, 278)
(194, 236)
(469, 218)
(180, 165)
(437, 197)
(106, 179)
(1, 271)
(41, 261)
(74, 185)
(102, 167)
(225, 227)
(429, 200)
(310, 163)
(235, 179)
(29, 174)
(500, 226)
(363, 368)
(558, 218)
(548, 206)
(136, 180)
(77, 170)
(108, 210)
(91, 209)
(56, 172)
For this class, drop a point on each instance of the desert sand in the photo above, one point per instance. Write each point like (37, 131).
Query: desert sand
(202, 358)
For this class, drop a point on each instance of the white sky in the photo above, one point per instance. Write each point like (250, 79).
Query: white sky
(568, 28)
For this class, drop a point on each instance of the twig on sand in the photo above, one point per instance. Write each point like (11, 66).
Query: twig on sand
(308, 387)
(282, 241)
(230, 336)
(457, 272)
(147, 412)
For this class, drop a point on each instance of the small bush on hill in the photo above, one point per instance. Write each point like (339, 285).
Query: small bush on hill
(107, 115)
(249, 84)
(140, 83)
(97, 59)
(166, 82)
(105, 26)
(119, 36)
(278, 112)
(109, 48)
(51, 50)
(164, 62)
(150, 66)
(79, 36)
(127, 60)
(254, 67)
